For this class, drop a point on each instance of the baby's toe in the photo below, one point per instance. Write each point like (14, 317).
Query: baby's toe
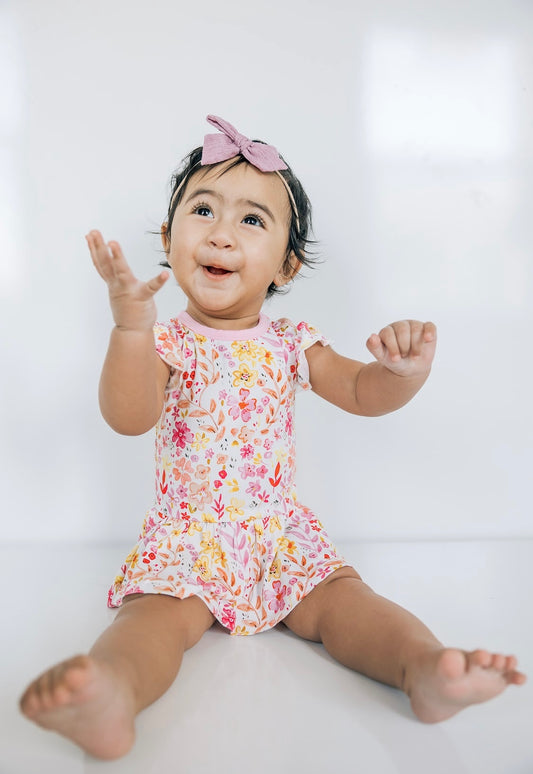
(481, 658)
(498, 662)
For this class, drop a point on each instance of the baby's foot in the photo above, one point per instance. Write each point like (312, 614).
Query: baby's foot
(82, 699)
(449, 680)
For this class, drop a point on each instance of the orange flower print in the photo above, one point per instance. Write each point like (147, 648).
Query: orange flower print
(200, 494)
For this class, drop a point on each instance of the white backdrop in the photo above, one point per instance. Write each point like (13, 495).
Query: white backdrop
(409, 124)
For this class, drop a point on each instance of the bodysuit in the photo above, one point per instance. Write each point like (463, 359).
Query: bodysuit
(227, 525)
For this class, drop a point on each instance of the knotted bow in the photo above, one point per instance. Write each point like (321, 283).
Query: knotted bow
(221, 147)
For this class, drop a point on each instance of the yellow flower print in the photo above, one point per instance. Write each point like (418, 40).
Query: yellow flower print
(257, 459)
(281, 455)
(233, 485)
(286, 546)
(200, 441)
(200, 338)
(118, 581)
(235, 509)
(194, 526)
(258, 526)
(275, 568)
(132, 558)
(244, 349)
(274, 524)
(202, 568)
(242, 630)
(208, 544)
(208, 517)
(244, 377)
(266, 356)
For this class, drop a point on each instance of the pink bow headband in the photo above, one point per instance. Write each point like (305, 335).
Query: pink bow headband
(230, 143)
(221, 147)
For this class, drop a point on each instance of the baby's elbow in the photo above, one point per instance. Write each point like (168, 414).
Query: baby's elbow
(124, 425)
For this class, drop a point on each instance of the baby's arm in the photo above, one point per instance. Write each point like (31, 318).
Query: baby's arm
(133, 377)
(404, 352)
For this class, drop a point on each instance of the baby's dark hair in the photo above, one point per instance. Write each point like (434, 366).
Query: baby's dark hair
(300, 226)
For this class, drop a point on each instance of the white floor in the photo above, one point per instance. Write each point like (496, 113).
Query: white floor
(273, 703)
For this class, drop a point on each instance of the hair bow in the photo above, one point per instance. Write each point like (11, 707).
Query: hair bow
(221, 147)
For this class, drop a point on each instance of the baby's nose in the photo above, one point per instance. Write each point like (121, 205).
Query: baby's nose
(222, 235)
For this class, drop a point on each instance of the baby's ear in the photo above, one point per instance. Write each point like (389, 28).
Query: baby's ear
(164, 237)
(288, 271)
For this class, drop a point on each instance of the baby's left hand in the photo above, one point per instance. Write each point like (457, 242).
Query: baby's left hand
(406, 348)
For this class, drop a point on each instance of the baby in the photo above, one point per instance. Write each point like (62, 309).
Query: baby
(227, 538)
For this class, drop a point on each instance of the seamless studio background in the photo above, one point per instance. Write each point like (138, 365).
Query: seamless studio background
(410, 127)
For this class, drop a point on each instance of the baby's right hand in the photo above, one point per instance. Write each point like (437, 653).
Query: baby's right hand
(132, 301)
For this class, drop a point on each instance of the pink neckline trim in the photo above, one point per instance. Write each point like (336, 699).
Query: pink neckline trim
(243, 334)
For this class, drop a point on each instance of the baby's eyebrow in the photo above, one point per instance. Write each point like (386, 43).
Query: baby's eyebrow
(249, 202)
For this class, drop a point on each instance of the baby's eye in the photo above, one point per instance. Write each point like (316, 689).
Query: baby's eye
(203, 210)
(254, 220)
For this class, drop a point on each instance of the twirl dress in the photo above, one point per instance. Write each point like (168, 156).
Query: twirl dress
(227, 525)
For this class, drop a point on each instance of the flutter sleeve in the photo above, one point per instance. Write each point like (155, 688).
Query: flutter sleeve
(169, 344)
(298, 337)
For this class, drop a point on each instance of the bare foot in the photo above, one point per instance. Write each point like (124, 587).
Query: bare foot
(82, 699)
(449, 680)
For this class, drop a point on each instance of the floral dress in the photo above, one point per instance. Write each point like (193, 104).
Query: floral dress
(227, 525)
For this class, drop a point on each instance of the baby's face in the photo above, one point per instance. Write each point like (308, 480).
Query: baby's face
(229, 241)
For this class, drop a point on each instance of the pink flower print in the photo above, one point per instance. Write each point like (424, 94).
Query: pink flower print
(242, 406)
(181, 492)
(276, 598)
(247, 471)
(265, 400)
(200, 494)
(202, 471)
(247, 451)
(245, 434)
(181, 435)
(228, 617)
(253, 488)
(261, 471)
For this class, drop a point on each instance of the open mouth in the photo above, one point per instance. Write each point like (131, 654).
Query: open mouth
(216, 271)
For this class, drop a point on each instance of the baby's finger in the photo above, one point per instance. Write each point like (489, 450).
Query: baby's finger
(120, 267)
(417, 337)
(96, 244)
(156, 283)
(430, 332)
(389, 339)
(403, 333)
(375, 347)
(102, 256)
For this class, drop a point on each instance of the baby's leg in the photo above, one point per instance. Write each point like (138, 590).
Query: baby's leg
(372, 635)
(93, 699)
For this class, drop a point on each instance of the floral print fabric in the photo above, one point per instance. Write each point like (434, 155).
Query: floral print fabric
(227, 525)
